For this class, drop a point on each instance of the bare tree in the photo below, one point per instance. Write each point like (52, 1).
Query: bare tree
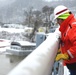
(28, 16)
(47, 12)
(37, 23)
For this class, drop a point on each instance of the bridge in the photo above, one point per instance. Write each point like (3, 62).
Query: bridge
(41, 60)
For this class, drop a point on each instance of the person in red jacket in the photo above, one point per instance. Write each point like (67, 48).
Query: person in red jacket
(65, 18)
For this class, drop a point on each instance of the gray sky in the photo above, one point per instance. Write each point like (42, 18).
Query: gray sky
(55, 0)
(50, 0)
(5, 2)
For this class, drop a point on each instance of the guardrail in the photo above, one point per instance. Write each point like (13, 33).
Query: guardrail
(40, 61)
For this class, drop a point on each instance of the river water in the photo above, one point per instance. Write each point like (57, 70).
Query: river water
(8, 62)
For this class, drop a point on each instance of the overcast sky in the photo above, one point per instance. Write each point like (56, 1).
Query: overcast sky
(5, 2)
(50, 0)
(55, 0)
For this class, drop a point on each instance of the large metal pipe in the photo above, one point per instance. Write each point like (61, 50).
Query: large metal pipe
(40, 61)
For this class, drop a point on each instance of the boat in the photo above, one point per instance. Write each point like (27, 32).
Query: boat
(21, 48)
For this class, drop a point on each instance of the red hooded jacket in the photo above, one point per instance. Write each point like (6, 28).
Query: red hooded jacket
(68, 38)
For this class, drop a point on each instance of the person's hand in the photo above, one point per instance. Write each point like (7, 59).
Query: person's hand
(62, 56)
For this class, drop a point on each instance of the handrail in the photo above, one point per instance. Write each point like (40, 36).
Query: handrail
(40, 61)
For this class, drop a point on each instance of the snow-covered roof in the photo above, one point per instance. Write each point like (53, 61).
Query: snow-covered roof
(12, 30)
(25, 43)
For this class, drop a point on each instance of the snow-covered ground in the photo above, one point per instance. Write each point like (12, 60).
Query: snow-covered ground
(4, 44)
(9, 34)
(14, 33)
(12, 30)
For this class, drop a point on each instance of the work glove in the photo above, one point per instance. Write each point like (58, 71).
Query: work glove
(62, 56)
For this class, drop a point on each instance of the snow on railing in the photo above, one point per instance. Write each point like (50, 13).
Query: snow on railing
(40, 61)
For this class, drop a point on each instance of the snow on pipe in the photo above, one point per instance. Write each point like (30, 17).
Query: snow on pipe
(40, 61)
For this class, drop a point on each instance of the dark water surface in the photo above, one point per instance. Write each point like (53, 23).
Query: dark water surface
(8, 62)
